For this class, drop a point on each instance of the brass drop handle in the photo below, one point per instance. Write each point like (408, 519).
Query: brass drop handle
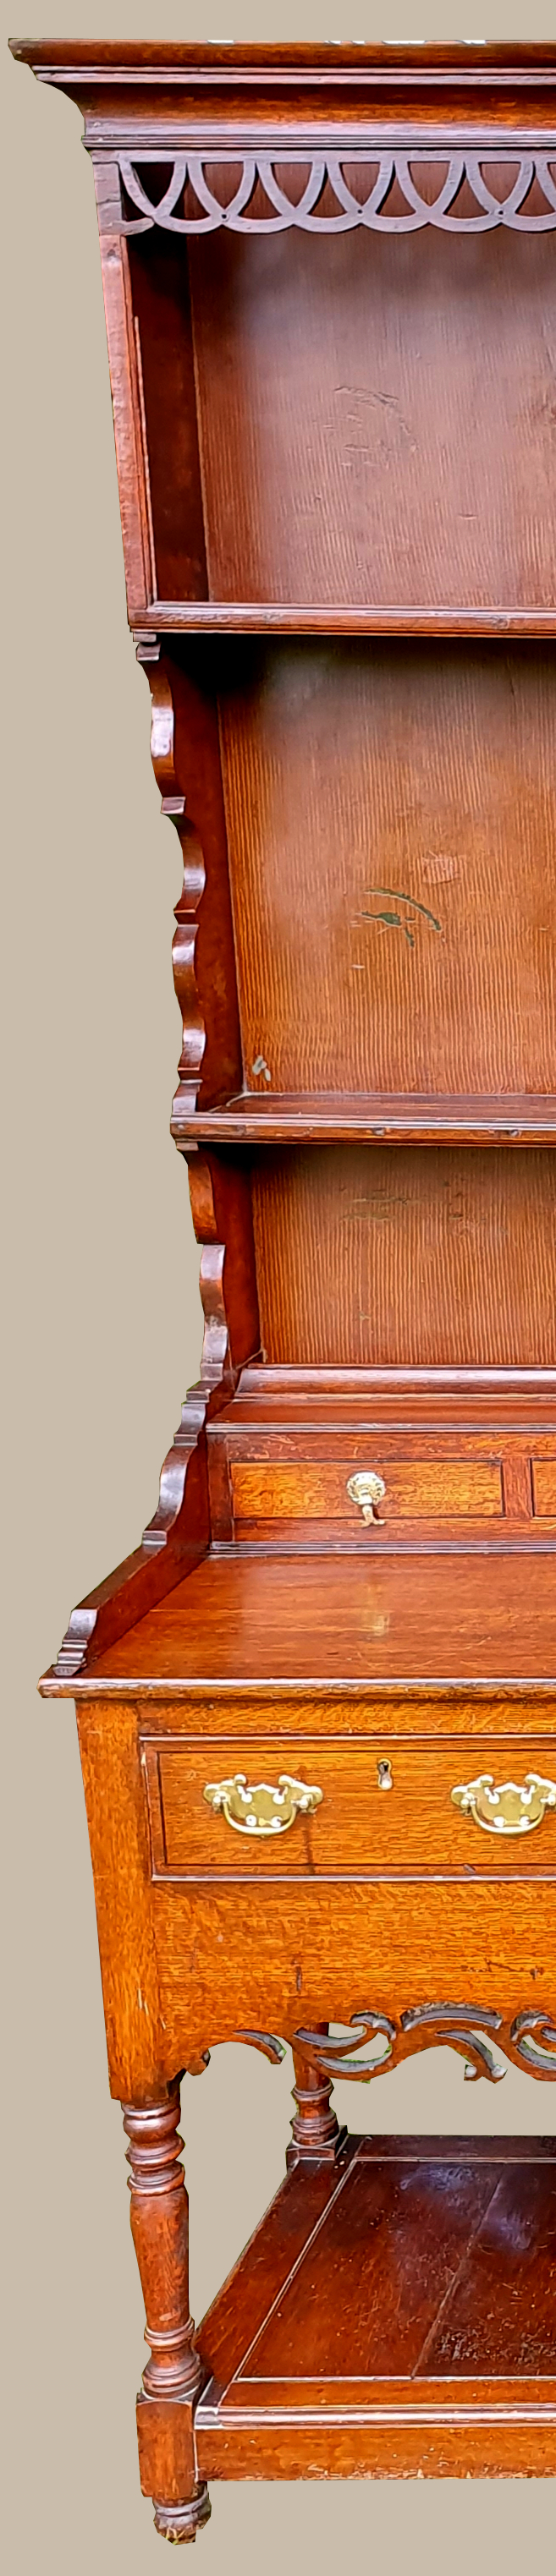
(509, 1809)
(367, 1490)
(262, 1810)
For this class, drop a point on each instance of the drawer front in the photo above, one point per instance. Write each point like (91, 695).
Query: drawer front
(544, 1488)
(330, 1809)
(415, 1489)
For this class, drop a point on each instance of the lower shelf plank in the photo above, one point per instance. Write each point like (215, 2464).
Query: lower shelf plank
(393, 2316)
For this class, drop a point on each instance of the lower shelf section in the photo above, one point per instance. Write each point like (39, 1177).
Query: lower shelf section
(394, 2315)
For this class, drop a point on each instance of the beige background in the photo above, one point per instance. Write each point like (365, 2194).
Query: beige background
(102, 1333)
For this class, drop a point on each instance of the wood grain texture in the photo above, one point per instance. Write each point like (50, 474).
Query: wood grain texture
(126, 403)
(416, 951)
(333, 1949)
(244, 617)
(160, 2229)
(415, 1714)
(186, 762)
(517, 2292)
(359, 1827)
(172, 2377)
(316, 2135)
(173, 81)
(443, 1488)
(544, 1485)
(365, 360)
(160, 291)
(221, 1211)
(295, 1951)
(359, 2336)
(394, 2443)
(321, 443)
(319, 1621)
(118, 1837)
(264, 2266)
(522, 1399)
(469, 1118)
(434, 2216)
(406, 1256)
(276, 1467)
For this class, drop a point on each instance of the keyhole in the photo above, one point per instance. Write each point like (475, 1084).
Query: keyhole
(384, 1775)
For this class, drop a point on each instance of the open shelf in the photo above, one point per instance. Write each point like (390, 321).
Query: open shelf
(393, 2314)
(257, 1117)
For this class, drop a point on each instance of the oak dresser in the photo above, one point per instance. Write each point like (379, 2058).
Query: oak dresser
(316, 1706)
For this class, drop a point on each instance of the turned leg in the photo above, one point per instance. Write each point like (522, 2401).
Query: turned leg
(316, 2136)
(172, 2376)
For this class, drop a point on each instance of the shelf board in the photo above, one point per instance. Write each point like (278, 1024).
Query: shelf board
(257, 1117)
(380, 2321)
(273, 617)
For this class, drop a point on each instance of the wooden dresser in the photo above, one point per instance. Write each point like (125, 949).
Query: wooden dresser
(316, 1706)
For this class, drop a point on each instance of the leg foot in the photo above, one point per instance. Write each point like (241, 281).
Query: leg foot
(183, 2521)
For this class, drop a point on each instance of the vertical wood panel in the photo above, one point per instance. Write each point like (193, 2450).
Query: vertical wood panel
(391, 825)
(400, 1256)
(376, 417)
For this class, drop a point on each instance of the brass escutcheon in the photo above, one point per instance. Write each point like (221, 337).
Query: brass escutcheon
(509, 1809)
(367, 1490)
(262, 1810)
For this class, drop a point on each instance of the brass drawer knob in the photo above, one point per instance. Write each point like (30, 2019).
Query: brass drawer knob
(367, 1490)
(509, 1809)
(262, 1810)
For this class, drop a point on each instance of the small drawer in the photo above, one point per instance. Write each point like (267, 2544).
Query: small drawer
(328, 1809)
(544, 1488)
(413, 1489)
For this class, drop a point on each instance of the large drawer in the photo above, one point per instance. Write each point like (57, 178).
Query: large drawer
(370, 1809)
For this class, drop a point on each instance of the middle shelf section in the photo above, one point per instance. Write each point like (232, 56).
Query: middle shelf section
(366, 935)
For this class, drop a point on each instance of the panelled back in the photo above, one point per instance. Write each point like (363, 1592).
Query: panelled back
(332, 378)
(391, 837)
(402, 1256)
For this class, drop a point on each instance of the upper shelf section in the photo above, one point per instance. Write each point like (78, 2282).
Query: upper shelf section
(330, 293)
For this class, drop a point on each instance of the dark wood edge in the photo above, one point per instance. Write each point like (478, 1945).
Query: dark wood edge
(94, 1684)
(258, 1378)
(472, 62)
(267, 617)
(252, 1118)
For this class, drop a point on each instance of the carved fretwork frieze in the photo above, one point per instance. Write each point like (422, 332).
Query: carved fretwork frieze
(527, 2041)
(395, 192)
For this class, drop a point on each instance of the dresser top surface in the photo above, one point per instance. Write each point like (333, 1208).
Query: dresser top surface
(411, 1622)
